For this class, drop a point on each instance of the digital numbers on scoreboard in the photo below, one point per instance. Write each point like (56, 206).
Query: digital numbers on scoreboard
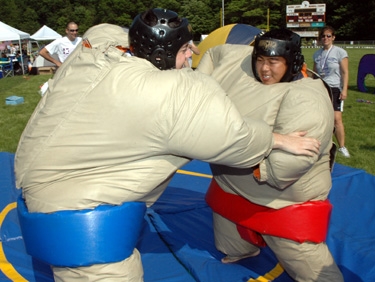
(305, 15)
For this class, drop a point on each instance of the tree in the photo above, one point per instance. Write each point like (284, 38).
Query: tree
(29, 21)
(351, 21)
(254, 12)
(201, 16)
(9, 13)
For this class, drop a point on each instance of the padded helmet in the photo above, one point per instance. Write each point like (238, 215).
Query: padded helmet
(157, 35)
(279, 43)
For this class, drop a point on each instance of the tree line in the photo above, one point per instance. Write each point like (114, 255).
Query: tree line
(351, 21)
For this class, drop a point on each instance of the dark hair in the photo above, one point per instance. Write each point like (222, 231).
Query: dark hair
(327, 28)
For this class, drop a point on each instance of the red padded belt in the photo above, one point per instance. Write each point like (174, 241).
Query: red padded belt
(300, 222)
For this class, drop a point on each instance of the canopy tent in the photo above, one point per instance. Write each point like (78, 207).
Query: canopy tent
(233, 33)
(45, 33)
(39, 61)
(8, 33)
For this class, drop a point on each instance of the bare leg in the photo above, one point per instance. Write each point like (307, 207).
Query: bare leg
(339, 129)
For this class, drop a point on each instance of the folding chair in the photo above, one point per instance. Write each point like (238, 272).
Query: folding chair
(7, 69)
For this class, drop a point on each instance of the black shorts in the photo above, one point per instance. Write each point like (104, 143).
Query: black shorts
(336, 101)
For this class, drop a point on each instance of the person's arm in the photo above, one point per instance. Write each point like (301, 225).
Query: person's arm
(307, 107)
(208, 127)
(46, 55)
(344, 68)
(210, 59)
(294, 144)
(194, 48)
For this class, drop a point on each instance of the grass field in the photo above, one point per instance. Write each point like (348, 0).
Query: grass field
(358, 116)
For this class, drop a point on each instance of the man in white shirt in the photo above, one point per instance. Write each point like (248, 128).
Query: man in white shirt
(63, 47)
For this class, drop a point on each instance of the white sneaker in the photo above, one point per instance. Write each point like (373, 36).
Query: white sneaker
(344, 152)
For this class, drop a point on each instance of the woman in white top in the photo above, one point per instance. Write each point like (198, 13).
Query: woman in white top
(332, 64)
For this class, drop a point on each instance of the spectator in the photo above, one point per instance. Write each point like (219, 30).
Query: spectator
(4, 57)
(332, 64)
(64, 46)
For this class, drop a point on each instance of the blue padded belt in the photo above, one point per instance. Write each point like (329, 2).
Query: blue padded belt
(83, 237)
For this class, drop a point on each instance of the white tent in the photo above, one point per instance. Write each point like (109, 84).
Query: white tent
(8, 33)
(45, 33)
(41, 62)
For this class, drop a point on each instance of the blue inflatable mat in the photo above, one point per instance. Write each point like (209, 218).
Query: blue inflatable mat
(177, 239)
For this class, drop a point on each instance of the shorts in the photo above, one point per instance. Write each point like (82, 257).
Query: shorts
(336, 101)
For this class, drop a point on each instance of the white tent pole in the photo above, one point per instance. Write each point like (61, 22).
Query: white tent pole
(20, 50)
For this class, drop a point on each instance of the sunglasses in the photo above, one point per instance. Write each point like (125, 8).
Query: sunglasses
(73, 30)
(325, 35)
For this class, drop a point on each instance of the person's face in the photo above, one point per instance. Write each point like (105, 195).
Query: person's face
(327, 38)
(72, 31)
(182, 55)
(270, 69)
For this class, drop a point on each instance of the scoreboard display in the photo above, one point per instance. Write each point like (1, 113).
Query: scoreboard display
(305, 15)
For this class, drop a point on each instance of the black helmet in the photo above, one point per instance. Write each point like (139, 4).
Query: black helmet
(157, 35)
(283, 43)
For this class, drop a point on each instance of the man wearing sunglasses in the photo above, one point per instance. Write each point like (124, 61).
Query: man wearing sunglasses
(63, 47)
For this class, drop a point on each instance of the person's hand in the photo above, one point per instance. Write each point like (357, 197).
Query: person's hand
(343, 94)
(296, 143)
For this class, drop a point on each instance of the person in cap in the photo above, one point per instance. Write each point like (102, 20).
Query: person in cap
(107, 137)
(282, 202)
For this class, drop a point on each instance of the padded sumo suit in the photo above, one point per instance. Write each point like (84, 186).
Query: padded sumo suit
(113, 128)
(284, 179)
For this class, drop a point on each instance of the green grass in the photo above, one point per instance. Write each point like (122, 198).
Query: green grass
(13, 118)
(358, 117)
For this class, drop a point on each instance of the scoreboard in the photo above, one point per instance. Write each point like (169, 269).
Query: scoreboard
(305, 15)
